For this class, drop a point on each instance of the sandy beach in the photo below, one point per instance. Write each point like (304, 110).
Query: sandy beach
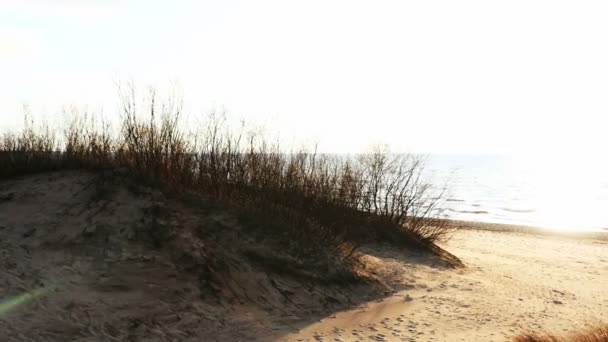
(513, 282)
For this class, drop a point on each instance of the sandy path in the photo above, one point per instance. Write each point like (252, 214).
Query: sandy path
(513, 282)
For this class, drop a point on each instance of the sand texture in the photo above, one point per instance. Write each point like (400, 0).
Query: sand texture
(512, 282)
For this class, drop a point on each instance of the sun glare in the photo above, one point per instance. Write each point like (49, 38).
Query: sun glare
(563, 189)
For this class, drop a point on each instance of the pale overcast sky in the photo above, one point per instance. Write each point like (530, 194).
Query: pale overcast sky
(429, 76)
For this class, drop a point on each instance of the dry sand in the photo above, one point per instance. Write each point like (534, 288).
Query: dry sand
(109, 274)
(513, 282)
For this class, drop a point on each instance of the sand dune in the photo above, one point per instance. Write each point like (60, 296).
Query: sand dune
(95, 257)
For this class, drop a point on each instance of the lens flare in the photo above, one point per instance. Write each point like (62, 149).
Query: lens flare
(12, 303)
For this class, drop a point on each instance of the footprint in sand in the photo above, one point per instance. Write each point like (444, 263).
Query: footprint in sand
(337, 330)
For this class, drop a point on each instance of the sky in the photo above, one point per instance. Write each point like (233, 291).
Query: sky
(423, 76)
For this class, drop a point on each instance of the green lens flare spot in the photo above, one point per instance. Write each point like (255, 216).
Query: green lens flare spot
(20, 300)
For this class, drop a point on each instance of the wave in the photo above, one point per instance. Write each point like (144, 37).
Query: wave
(469, 211)
(523, 211)
(454, 200)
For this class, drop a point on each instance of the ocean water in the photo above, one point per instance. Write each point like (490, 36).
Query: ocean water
(560, 192)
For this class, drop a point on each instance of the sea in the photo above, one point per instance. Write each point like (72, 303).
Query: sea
(568, 192)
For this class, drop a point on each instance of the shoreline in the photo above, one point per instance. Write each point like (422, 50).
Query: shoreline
(527, 229)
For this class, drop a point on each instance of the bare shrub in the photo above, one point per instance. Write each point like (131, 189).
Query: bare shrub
(328, 201)
(87, 143)
(33, 149)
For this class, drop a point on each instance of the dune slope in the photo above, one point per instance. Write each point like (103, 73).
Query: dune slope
(90, 256)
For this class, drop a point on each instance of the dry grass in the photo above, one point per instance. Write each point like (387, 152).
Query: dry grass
(313, 200)
(598, 333)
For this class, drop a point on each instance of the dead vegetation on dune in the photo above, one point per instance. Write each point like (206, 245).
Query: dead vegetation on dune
(597, 333)
(311, 201)
(196, 224)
